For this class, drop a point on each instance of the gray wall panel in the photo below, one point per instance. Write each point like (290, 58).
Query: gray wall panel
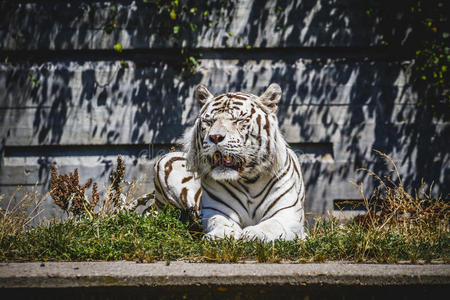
(83, 25)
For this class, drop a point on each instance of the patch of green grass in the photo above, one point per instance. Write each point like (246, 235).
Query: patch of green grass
(168, 235)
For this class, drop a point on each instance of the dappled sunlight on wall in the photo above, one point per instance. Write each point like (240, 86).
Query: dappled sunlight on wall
(68, 97)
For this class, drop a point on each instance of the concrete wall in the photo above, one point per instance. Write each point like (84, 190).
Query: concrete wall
(66, 99)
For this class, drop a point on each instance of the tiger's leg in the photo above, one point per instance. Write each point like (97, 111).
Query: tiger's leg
(219, 218)
(175, 185)
(219, 226)
(285, 223)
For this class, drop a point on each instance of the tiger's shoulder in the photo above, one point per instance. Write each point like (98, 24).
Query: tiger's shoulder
(174, 184)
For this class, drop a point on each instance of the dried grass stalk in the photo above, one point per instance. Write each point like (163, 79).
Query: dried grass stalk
(391, 206)
(19, 213)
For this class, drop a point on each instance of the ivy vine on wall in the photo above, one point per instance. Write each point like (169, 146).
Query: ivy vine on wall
(432, 54)
(428, 46)
(182, 24)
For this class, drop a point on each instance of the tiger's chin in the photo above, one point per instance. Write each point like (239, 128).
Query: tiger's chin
(225, 166)
(223, 173)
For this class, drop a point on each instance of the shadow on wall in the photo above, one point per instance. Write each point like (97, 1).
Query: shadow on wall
(341, 83)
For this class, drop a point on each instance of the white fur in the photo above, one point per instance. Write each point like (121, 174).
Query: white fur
(264, 199)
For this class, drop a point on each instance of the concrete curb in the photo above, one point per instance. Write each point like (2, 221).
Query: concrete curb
(131, 274)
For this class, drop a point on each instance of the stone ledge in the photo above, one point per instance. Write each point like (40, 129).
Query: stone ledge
(56, 275)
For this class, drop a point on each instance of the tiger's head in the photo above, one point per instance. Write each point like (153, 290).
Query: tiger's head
(236, 135)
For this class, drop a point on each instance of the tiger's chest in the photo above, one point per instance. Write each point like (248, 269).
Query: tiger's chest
(247, 203)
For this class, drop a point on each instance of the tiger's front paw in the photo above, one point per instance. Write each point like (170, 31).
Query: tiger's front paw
(222, 233)
(252, 233)
(267, 231)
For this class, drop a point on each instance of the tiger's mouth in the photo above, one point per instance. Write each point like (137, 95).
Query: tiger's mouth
(226, 161)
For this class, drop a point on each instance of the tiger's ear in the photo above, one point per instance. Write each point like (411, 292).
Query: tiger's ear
(271, 97)
(202, 94)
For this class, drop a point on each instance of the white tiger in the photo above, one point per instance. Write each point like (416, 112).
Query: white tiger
(237, 172)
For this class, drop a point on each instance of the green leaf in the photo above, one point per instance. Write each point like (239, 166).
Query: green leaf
(124, 64)
(248, 47)
(118, 47)
(109, 28)
(445, 35)
(193, 60)
(176, 29)
(113, 7)
(173, 14)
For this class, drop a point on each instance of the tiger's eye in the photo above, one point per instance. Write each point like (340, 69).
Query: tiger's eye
(241, 122)
(207, 122)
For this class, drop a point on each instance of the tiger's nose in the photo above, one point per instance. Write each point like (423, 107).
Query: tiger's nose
(216, 138)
